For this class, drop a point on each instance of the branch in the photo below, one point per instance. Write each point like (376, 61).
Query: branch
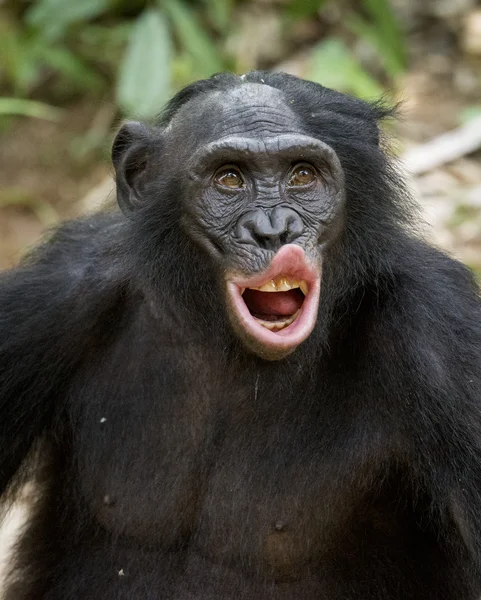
(444, 148)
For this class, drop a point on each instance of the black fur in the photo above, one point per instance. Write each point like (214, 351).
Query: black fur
(173, 464)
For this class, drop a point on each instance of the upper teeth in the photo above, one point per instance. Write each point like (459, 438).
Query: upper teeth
(282, 284)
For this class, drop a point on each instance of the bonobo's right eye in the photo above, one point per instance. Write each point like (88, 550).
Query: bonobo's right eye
(229, 177)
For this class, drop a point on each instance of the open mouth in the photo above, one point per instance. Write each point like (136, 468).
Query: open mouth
(278, 307)
(276, 304)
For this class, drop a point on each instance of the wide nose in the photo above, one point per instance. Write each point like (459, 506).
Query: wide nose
(269, 229)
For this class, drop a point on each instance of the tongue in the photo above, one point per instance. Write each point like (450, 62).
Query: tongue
(273, 303)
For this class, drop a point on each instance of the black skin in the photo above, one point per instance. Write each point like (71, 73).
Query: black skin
(176, 462)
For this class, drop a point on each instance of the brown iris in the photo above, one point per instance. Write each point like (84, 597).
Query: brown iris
(229, 177)
(301, 174)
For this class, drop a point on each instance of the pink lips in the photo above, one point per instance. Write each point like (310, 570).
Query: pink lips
(290, 261)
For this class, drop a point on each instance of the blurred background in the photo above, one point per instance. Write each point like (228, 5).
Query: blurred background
(70, 70)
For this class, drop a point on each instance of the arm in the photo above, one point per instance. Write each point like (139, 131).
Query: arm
(50, 311)
(445, 351)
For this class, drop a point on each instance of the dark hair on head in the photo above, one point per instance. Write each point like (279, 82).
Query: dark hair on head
(218, 82)
(295, 89)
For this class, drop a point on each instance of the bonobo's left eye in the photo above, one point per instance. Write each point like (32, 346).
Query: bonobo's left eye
(301, 174)
(230, 177)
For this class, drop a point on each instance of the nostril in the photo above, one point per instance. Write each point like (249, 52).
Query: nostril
(284, 238)
(270, 243)
(294, 227)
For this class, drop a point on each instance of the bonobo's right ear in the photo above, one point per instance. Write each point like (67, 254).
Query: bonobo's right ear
(131, 150)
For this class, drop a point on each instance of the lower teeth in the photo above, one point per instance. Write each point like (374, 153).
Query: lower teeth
(277, 325)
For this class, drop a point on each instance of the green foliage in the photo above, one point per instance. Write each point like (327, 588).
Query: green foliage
(303, 9)
(84, 44)
(17, 60)
(72, 67)
(193, 38)
(219, 13)
(390, 41)
(144, 82)
(53, 17)
(145, 49)
(26, 58)
(28, 108)
(382, 34)
(333, 65)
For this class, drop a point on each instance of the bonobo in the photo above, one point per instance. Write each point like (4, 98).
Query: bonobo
(257, 381)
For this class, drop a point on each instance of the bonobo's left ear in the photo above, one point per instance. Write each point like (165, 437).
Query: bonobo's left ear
(130, 155)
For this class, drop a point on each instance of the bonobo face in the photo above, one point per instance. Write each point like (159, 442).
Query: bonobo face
(265, 200)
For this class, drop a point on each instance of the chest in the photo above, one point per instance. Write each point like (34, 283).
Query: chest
(181, 449)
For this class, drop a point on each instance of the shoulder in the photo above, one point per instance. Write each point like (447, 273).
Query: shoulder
(79, 241)
(79, 257)
(431, 317)
(78, 246)
(434, 288)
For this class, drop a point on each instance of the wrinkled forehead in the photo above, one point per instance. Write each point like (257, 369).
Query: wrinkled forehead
(250, 110)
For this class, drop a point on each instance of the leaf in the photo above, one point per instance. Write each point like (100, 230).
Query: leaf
(70, 66)
(29, 108)
(18, 64)
(220, 13)
(193, 38)
(392, 63)
(183, 69)
(383, 34)
(144, 82)
(333, 66)
(303, 9)
(53, 17)
(385, 20)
